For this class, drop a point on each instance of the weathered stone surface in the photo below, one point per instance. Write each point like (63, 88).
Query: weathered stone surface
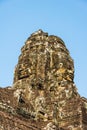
(43, 95)
(84, 113)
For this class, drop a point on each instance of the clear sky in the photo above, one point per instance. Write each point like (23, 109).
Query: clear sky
(64, 18)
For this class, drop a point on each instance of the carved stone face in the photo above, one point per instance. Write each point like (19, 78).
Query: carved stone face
(44, 81)
(44, 60)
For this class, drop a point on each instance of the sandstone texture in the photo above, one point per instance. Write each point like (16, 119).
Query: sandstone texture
(43, 95)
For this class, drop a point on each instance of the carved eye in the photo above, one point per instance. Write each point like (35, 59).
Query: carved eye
(52, 88)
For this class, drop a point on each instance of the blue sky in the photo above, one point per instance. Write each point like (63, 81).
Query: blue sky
(64, 18)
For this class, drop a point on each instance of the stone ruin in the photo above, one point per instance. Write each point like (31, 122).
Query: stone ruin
(43, 95)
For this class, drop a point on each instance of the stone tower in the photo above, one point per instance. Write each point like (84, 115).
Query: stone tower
(43, 83)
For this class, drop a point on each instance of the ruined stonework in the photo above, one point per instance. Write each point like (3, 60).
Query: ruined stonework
(43, 95)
